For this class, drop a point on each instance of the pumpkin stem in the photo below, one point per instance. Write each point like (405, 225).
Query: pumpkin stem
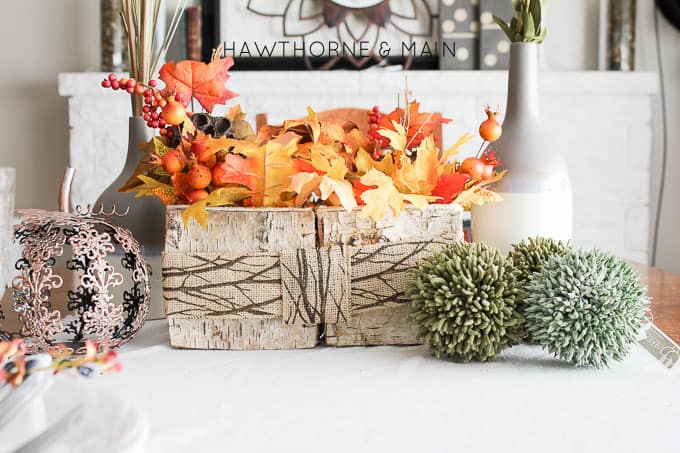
(65, 191)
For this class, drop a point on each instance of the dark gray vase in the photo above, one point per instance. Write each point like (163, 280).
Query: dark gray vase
(146, 215)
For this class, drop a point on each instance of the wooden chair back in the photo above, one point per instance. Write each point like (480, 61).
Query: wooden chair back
(342, 115)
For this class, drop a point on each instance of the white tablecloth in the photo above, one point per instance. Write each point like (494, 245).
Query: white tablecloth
(393, 399)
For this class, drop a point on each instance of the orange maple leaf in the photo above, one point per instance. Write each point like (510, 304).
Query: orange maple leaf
(272, 166)
(180, 183)
(203, 81)
(235, 169)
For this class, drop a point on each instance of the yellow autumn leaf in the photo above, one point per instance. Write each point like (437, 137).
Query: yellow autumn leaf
(325, 159)
(447, 156)
(277, 171)
(476, 195)
(226, 196)
(320, 156)
(331, 133)
(419, 176)
(240, 125)
(386, 195)
(365, 162)
(341, 188)
(150, 187)
(419, 201)
(303, 184)
(299, 180)
(397, 137)
(311, 124)
(355, 140)
(272, 163)
(236, 113)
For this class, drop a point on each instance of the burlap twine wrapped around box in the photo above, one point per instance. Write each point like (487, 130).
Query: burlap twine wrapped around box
(304, 286)
(268, 279)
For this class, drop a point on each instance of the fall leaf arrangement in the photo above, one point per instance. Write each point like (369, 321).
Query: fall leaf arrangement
(17, 365)
(381, 166)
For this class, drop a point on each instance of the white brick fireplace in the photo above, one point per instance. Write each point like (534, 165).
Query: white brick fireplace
(599, 121)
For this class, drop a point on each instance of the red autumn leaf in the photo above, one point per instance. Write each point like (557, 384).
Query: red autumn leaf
(304, 166)
(234, 169)
(359, 189)
(449, 186)
(418, 125)
(205, 82)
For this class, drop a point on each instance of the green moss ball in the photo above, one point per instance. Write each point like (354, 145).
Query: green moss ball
(463, 300)
(530, 255)
(586, 307)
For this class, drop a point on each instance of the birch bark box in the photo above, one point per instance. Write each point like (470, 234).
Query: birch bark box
(271, 278)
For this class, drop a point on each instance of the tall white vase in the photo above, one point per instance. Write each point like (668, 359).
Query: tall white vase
(536, 191)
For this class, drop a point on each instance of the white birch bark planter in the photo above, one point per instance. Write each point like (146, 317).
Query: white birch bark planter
(292, 278)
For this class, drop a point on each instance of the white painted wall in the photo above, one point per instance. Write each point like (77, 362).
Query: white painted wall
(573, 31)
(668, 250)
(38, 40)
(44, 38)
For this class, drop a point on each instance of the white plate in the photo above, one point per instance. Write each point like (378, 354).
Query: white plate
(108, 425)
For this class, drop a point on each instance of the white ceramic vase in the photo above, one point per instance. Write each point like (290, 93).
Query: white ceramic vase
(537, 197)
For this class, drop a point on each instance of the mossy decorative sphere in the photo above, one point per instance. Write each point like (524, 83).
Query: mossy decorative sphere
(586, 307)
(463, 300)
(530, 255)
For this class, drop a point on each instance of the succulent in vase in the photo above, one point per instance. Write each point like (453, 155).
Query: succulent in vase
(527, 25)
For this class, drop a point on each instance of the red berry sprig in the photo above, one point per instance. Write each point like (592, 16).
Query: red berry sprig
(155, 101)
(374, 116)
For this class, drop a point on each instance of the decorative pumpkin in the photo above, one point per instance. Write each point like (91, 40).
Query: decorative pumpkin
(99, 257)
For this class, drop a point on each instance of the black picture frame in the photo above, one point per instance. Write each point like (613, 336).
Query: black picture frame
(210, 31)
(210, 16)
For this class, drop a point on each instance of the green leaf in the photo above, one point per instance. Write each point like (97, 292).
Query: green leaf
(505, 27)
(529, 30)
(160, 172)
(514, 25)
(526, 26)
(535, 11)
(160, 147)
(147, 185)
